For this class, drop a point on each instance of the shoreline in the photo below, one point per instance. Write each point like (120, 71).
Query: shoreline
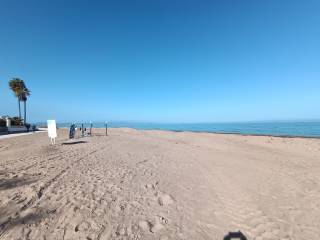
(233, 133)
(212, 132)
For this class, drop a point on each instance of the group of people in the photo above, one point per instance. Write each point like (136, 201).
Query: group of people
(83, 131)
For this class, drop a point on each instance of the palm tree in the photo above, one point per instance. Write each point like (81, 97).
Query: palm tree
(15, 84)
(21, 92)
(24, 97)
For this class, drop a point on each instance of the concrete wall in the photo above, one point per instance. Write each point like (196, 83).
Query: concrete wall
(3, 129)
(17, 129)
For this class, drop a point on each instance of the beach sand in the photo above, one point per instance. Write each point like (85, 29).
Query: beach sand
(159, 185)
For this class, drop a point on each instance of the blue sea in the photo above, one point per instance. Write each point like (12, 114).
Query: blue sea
(290, 129)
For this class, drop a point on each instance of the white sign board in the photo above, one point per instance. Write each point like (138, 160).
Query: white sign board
(52, 130)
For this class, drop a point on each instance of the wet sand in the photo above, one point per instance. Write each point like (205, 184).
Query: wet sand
(159, 185)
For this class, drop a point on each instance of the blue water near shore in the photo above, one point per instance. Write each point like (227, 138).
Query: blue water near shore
(302, 129)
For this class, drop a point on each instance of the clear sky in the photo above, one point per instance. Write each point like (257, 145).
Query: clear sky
(162, 61)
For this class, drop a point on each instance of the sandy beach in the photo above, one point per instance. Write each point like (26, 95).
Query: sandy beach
(159, 185)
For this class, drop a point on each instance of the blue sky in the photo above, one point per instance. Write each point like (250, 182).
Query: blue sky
(162, 61)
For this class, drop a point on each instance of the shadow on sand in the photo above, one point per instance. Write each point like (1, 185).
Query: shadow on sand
(72, 143)
(30, 218)
(15, 182)
(235, 235)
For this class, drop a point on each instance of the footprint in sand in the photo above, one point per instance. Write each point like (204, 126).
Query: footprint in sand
(154, 227)
(164, 199)
(164, 238)
(121, 231)
(83, 226)
(152, 186)
(157, 226)
(144, 225)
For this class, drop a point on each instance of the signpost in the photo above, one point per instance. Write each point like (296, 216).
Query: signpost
(106, 128)
(52, 130)
(82, 130)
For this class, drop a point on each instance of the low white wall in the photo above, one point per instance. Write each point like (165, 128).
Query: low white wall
(3, 130)
(16, 129)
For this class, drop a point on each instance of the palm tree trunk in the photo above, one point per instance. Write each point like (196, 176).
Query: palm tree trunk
(19, 108)
(25, 112)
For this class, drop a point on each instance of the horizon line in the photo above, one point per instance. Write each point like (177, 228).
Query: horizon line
(189, 122)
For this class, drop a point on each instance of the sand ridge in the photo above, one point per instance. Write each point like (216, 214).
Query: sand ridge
(159, 185)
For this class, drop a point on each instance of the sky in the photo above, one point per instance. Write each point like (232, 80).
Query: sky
(162, 61)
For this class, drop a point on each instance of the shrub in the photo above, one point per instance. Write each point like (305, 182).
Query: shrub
(3, 122)
(16, 121)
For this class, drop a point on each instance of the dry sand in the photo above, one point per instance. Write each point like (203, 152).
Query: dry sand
(159, 185)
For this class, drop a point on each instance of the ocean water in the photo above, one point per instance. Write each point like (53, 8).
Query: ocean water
(303, 129)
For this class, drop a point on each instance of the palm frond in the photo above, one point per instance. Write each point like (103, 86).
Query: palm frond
(19, 88)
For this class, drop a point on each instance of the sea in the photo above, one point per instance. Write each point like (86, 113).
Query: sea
(288, 129)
